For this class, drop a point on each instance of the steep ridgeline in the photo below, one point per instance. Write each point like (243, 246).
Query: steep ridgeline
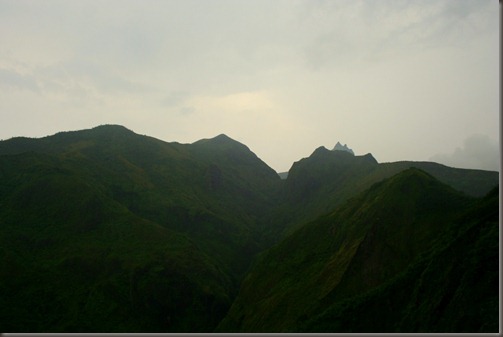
(104, 230)
(319, 183)
(410, 254)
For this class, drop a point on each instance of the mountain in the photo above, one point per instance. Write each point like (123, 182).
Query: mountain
(124, 232)
(315, 185)
(382, 262)
(106, 230)
(340, 147)
(319, 183)
(452, 287)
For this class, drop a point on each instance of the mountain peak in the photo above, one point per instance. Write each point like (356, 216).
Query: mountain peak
(104, 130)
(414, 182)
(370, 158)
(111, 127)
(340, 147)
(222, 140)
(223, 137)
(320, 150)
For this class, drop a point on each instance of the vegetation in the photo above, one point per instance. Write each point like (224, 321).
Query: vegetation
(451, 287)
(105, 230)
(398, 258)
(318, 184)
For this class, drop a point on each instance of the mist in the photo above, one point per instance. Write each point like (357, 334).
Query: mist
(478, 152)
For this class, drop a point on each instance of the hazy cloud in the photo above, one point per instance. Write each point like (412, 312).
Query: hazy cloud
(478, 151)
(175, 98)
(187, 110)
(355, 31)
(11, 79)
(283, 76)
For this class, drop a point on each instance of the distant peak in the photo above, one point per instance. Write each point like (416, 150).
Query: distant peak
(221, 140)
(111, 127)
(412, 175)
(370, 158)
(101, 130)
(340, 147)
(223, 136)
(320, 151)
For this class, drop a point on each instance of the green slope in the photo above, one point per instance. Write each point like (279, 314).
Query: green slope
(140, 216)
(73, 259)
(367, 242)
(451, 288)
(218, 184)
(321, 182)
(318, 183)
(105, 230)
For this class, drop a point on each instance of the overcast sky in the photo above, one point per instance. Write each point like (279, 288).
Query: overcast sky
(403, 80)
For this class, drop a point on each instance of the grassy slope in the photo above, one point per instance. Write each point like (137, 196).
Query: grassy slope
(366, 242)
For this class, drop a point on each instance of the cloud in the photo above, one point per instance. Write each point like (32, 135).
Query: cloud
(175, 98)
(478, 152)
(235, 103)
(283, 76)
(187, 110)
(15, 80)
(100, 77)
(342, 32)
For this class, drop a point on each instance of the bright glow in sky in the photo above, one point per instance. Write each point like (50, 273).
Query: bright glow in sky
(404, 80)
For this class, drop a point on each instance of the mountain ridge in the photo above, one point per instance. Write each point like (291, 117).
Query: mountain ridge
(109, 182)
(344, 253)
(127, 233)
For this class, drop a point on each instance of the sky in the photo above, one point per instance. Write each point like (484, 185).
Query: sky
(403, 80)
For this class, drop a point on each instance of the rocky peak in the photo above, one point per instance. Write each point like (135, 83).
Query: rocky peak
(340, 147)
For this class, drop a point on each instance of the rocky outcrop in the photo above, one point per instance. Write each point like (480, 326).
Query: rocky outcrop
(340, 147)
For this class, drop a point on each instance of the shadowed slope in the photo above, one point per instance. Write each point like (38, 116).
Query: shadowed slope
(362, 245)
(105, 230)
(132, 231)
(321, 182)
(451, 288)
